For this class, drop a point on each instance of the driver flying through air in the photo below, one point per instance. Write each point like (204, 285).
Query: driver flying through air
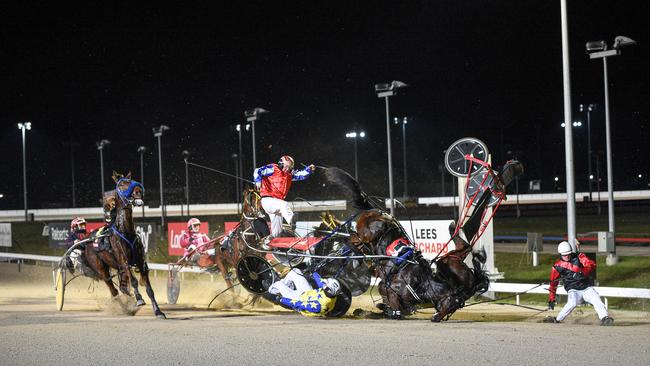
(274, 182)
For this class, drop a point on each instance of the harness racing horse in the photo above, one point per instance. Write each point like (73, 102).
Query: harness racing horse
(408, 284)
(123, 248)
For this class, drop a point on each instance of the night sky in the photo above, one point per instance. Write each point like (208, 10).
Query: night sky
(487, 69)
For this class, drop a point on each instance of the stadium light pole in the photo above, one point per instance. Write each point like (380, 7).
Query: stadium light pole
(568, 133)
(141, 151)
(74, 183)
(239, 169)
(385, 91)
(404, 122)
(598, 49)
(23, 127)
(100, 146)
(237, 160)
(158, 132)
(590, 177)
(252, 116)
(186, 156)
(354, 135)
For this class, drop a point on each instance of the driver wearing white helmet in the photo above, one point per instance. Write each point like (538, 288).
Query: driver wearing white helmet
(574, 270)
(295, 292)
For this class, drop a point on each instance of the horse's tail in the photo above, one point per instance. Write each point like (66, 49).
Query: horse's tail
(341, 178)
(481, 279)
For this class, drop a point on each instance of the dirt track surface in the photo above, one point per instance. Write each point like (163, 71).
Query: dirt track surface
(86, 332)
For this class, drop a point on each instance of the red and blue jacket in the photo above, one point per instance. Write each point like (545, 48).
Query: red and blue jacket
(275, 182)
(574, 274)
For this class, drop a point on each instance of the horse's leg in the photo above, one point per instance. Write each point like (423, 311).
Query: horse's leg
(446, 307)
(218, 260)
(144, 274)
(134, 284)
(101, 268)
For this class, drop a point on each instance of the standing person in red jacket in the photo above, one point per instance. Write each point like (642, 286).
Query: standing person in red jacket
(274, 182)
(574, 269)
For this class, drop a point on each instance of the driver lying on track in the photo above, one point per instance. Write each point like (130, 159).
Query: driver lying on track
(295, 292)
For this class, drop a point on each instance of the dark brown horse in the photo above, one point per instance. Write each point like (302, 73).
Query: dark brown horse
(123, 248)
(410, 284)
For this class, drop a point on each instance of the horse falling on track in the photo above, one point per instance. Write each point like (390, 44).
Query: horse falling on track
(412, 283)
(125, 249)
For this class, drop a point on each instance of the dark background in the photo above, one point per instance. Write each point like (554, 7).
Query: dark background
(492, 70)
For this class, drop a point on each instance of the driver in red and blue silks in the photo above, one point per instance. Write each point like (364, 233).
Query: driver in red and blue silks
(295, 292)
(274, 182)
(574, 269)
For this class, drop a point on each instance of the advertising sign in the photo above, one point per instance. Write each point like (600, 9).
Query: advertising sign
(147, 233)
(5, 235)
(59, 232)
(429, 236)
(175, 231)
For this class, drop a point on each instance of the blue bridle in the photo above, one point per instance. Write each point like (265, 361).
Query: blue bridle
(125, 195)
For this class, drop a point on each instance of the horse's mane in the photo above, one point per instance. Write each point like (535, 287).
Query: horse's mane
(352, 189)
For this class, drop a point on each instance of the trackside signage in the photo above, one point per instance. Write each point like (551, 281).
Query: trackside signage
(429, 236)
(59, 232)
(147, 233)
(5, 235)
(175, 231)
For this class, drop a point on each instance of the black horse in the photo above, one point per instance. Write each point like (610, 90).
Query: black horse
(410, 284)
(122, 249)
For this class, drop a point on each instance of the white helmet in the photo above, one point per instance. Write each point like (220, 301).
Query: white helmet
(564, 248)
(333, 286)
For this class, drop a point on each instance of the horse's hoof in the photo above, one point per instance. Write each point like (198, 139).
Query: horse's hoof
(160, 315)
(140, 303)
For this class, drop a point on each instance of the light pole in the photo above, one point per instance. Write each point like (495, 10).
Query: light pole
(186, 156)
(141, 151)
(568, 133)
(404, 122)
(237, 160)
(240, 167)
(74, 183)
(158, 132)
(354, 135)
(252, 116)
(24, 126)
(589, 108)
(598, 49)
(100, 146)
(384, 91)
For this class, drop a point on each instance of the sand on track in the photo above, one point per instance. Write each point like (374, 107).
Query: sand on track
(33, 332)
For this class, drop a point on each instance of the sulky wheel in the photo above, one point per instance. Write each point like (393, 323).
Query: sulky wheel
(59, 285)
(343, 302)
(255, 274)
(455, 161)
(173, 285)
(482, 181)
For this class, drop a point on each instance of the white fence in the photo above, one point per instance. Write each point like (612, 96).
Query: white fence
(516, 288)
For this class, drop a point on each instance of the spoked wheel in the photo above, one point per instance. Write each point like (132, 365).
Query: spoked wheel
(173, 286)
(343, 302)
(482, 183)
(455, 161)
(255, 274)
(59, 285)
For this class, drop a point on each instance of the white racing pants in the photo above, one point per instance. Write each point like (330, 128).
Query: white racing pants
(575, 297)
(277, 209)
(292, 285)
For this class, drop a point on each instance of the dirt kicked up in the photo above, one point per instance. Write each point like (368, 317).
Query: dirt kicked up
(91, 330)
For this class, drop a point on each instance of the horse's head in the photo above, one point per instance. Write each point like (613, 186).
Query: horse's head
(128, 190)
(252, 205)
